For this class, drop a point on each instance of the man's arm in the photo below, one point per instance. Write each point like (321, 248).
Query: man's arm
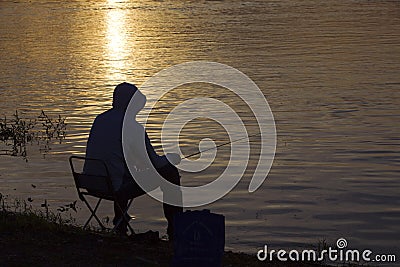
(156, 160)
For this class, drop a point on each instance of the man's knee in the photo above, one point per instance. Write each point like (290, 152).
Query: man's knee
(129, 190)
(171, 174)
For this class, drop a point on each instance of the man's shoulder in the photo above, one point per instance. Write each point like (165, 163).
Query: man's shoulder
(110, 118)
(106, 124)
(106, 115)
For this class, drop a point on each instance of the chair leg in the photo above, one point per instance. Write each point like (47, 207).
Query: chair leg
(124, 217)
(126, 212)
(93, 211)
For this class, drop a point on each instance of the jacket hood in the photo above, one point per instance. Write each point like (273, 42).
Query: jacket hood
(123, 94)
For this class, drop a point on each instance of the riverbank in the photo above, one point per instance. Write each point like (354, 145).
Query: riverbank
(31, 239)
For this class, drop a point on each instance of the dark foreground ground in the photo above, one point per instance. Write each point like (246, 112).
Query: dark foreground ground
(28, 239)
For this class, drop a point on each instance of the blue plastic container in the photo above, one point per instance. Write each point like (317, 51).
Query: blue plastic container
(199, 239)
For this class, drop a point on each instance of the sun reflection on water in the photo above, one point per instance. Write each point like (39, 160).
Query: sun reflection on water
(117, 35)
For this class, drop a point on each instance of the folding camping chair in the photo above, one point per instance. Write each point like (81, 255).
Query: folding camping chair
(97, 186)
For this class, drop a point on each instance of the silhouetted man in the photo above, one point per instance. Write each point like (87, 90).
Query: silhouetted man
(105, 143)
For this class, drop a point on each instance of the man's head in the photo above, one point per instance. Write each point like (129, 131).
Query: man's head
(123, 94)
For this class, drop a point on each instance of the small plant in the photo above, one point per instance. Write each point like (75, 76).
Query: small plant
(25, 210)
(322, 245)
(2, 204)
(16, 133)
(67, 207)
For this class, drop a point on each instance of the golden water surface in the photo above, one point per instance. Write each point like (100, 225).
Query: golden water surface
(330, 71)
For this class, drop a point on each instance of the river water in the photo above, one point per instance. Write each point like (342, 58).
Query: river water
(329, 70)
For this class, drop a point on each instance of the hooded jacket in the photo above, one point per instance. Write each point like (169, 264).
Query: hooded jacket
(105, 138)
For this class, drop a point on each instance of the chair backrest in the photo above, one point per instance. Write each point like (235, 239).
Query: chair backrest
(92, 183)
